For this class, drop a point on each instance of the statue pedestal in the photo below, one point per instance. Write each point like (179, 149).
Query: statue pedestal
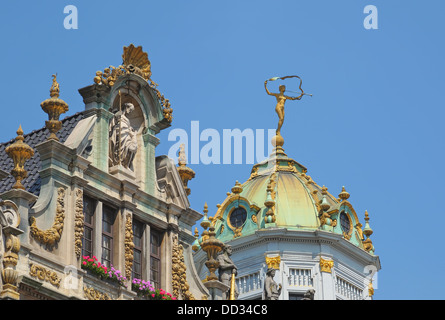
(216, 289)
(121, 172)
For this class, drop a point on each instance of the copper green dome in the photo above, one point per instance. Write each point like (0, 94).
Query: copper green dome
(280, 194)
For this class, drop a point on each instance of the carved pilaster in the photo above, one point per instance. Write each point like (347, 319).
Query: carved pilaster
(129, 246)
(179, 278)
(78, 223)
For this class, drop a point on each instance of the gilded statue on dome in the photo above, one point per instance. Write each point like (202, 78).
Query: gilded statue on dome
(281, 99)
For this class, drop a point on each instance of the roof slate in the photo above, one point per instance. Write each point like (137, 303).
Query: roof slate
(33, 165)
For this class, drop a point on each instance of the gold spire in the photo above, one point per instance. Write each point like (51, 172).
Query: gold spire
(54, 107)
(185, 172)
(19, 151)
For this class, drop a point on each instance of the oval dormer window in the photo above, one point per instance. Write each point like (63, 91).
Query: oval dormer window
(238, 217)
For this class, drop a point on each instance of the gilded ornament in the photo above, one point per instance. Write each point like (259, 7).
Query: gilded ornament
(185, 172)
(367, 231)
(129, 246)
(54, 107)
(179, 276)
(343, 194)
(19, 151)
(78, 223)
(273, 262)
(238, 232)
(9, 274)
(326, 265)
(93, 294)
(44, 274)
(51, 236)
(211, 245)
(370, 289)
(134, 61)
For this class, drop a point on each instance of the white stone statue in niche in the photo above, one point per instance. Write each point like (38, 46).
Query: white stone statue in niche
(123, 140)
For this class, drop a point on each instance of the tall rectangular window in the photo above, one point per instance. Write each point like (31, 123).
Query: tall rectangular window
(89, 207)
(155, 258)
(108, 217)
(138, 233)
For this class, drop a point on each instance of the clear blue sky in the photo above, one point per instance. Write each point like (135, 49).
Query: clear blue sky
(374, 124)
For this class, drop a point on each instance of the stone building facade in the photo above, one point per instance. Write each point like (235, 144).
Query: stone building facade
(89, 186)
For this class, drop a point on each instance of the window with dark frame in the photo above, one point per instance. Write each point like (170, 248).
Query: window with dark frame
(108, 218)
(89, 207)
(238, 217)
(138, 233)
(345, 222)
(155, 258)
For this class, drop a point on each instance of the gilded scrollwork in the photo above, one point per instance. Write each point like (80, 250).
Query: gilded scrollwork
(44, 274)
(129, 246)
(93, 294)
(180, 285)
(78, 223)
(135, 61)
(51, 236)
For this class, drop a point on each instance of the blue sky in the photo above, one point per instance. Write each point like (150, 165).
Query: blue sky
(373, 125)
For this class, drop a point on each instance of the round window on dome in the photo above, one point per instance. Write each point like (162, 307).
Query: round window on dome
(238, 217)
(345, 222)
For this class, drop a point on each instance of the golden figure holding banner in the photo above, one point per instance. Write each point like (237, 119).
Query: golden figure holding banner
(281, 99)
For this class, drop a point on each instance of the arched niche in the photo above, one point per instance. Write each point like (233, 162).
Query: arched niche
(137, 88)
(145, 119)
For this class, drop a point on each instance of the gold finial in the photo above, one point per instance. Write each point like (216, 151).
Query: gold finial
(343, 194)
(237, 188)
(19, 151)
(54, 107)
(54, 90)
(324, 190)
(196, 232)
(185, 172)
(367, 231)
(205, 223)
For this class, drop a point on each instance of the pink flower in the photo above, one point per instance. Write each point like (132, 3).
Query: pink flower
(90, 260)
(153, 295)
(84, 263)
(173, 298)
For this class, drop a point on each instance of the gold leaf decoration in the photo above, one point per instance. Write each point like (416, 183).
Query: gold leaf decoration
(78, 223)
(179, 278)
(51, 236)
